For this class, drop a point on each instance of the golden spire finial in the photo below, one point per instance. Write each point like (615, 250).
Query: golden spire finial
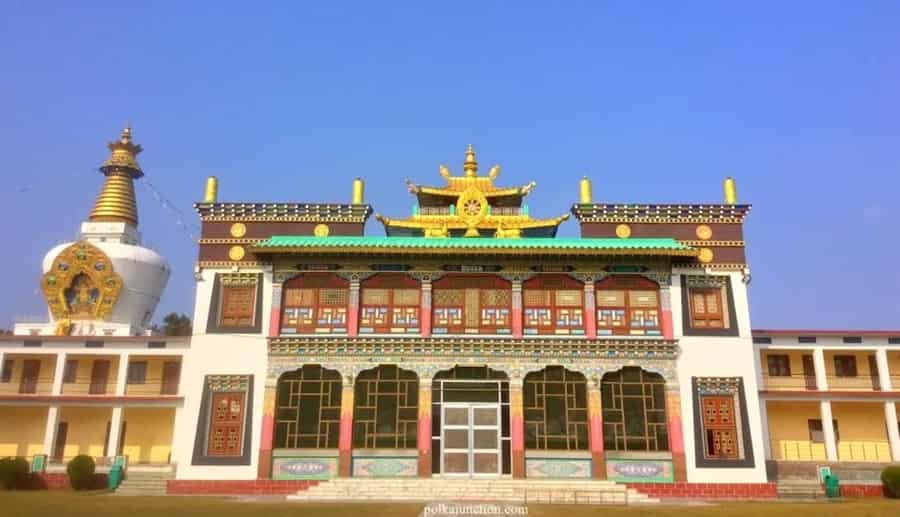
(116, 202)
(470, 165)
(730, 190)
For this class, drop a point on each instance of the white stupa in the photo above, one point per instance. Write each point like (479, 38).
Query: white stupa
(105, 283)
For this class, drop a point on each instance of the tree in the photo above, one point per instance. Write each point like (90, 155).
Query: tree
(175, 325)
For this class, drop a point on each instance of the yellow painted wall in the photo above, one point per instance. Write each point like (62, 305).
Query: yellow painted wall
(45, 376)
(148, 434)
(87, 430)
(22, 430)
(82, 383)
(153, 383)
(789, 430)
(863, 436)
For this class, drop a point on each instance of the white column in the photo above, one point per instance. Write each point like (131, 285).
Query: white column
(764, 421)
(121, 376)
(819, 364)
(828, 430)
(50, 430)
(884, 372)
(115, 430)
(890, 417)
(58, 373)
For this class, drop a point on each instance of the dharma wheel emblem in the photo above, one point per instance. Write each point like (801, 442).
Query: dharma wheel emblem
(472, 207)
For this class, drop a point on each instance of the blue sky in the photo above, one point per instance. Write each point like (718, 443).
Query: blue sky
(656, 102)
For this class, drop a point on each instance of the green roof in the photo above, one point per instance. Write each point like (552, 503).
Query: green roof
(462, 244)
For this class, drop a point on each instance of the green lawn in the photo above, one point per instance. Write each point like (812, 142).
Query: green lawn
(65, 504)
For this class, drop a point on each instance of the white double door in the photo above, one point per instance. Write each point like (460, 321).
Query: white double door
(470, 439)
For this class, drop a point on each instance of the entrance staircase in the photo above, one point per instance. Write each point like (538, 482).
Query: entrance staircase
(800, 489)
(148, 482)
(530, 491)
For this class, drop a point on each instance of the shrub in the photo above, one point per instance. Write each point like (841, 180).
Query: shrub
(890, 477)
(13, 472)
(81, 472)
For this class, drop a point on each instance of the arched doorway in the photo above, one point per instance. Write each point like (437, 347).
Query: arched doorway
(470, 422)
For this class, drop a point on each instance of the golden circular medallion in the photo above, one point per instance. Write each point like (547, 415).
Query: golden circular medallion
(238, 230)
(321, 230)
(704, 232)
(236, 253)
(706, 255)
(623, 231)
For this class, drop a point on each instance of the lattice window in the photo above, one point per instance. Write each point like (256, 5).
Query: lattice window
(555, 410)
(634, 411)
(707, 311)
(390, 304)
(385, 409)
(779, 365)
(628, 305)
(476, 304)
(315, 304)
(553, 305)
(226, 424)
(237, 300)
(308, 409)
(720, 426)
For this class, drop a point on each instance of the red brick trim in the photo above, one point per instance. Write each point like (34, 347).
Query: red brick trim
(707, 490)
(237, 487)
(862, 491)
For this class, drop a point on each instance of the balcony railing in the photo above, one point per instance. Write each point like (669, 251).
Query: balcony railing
(800, 450)
(879, 451)
(789, 382)
(152, 387)
(858, 383)
(90, 387)
(36, 386)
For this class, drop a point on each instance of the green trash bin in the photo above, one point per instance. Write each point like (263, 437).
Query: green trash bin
(832, 486)
(114, 477)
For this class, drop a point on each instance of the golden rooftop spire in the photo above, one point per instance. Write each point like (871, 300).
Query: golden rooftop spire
(116, 202)
(470, 166)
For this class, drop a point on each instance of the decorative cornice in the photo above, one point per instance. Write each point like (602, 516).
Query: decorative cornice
(284, 212)
(474, 346)
(627, 213)
(230, 241)
(713, 244)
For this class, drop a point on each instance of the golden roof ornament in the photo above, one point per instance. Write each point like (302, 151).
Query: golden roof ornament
(116, 202)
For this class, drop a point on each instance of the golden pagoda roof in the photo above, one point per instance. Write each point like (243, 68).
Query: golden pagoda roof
(471, 213)
(116, 201)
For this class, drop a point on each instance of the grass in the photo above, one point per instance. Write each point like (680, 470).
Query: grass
(98, 504)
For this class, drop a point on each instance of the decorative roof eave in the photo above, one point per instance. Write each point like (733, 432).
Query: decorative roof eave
(287, 212)
(457, 190)
(473, 246)
(455, 223)
(660, 213)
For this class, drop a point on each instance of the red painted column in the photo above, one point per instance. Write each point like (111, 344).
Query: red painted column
(595, 430)
(676, 433)
(275, 313)
(345, 439)
(423, 438)
(516, 309)
(516, 429)
(665, 318)
(590, 310)
(264, 465)
(353, 310)
(425, 313)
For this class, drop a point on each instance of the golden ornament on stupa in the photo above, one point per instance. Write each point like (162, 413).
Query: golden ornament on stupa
(116, 202)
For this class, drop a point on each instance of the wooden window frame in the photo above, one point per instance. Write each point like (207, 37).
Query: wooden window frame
(555, 382)
(718, 427)
(225, 383)
(615, 391)
(811, 425)
(230, 397)
(781, 364)
(317, 283)
(705, 316)
(627, 284)
(223, 283)
(70, 371)
(137, 372)
(6, 370)
(391, 283)
(705, 388)
(552, 284)
(845, 365)
(470, 285)
(305, 383)
(372, 390)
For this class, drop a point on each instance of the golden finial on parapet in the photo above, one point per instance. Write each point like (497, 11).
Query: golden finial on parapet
(470, 166)
(212, 190)
(358, 192)
(585, 194)
(730, 189)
